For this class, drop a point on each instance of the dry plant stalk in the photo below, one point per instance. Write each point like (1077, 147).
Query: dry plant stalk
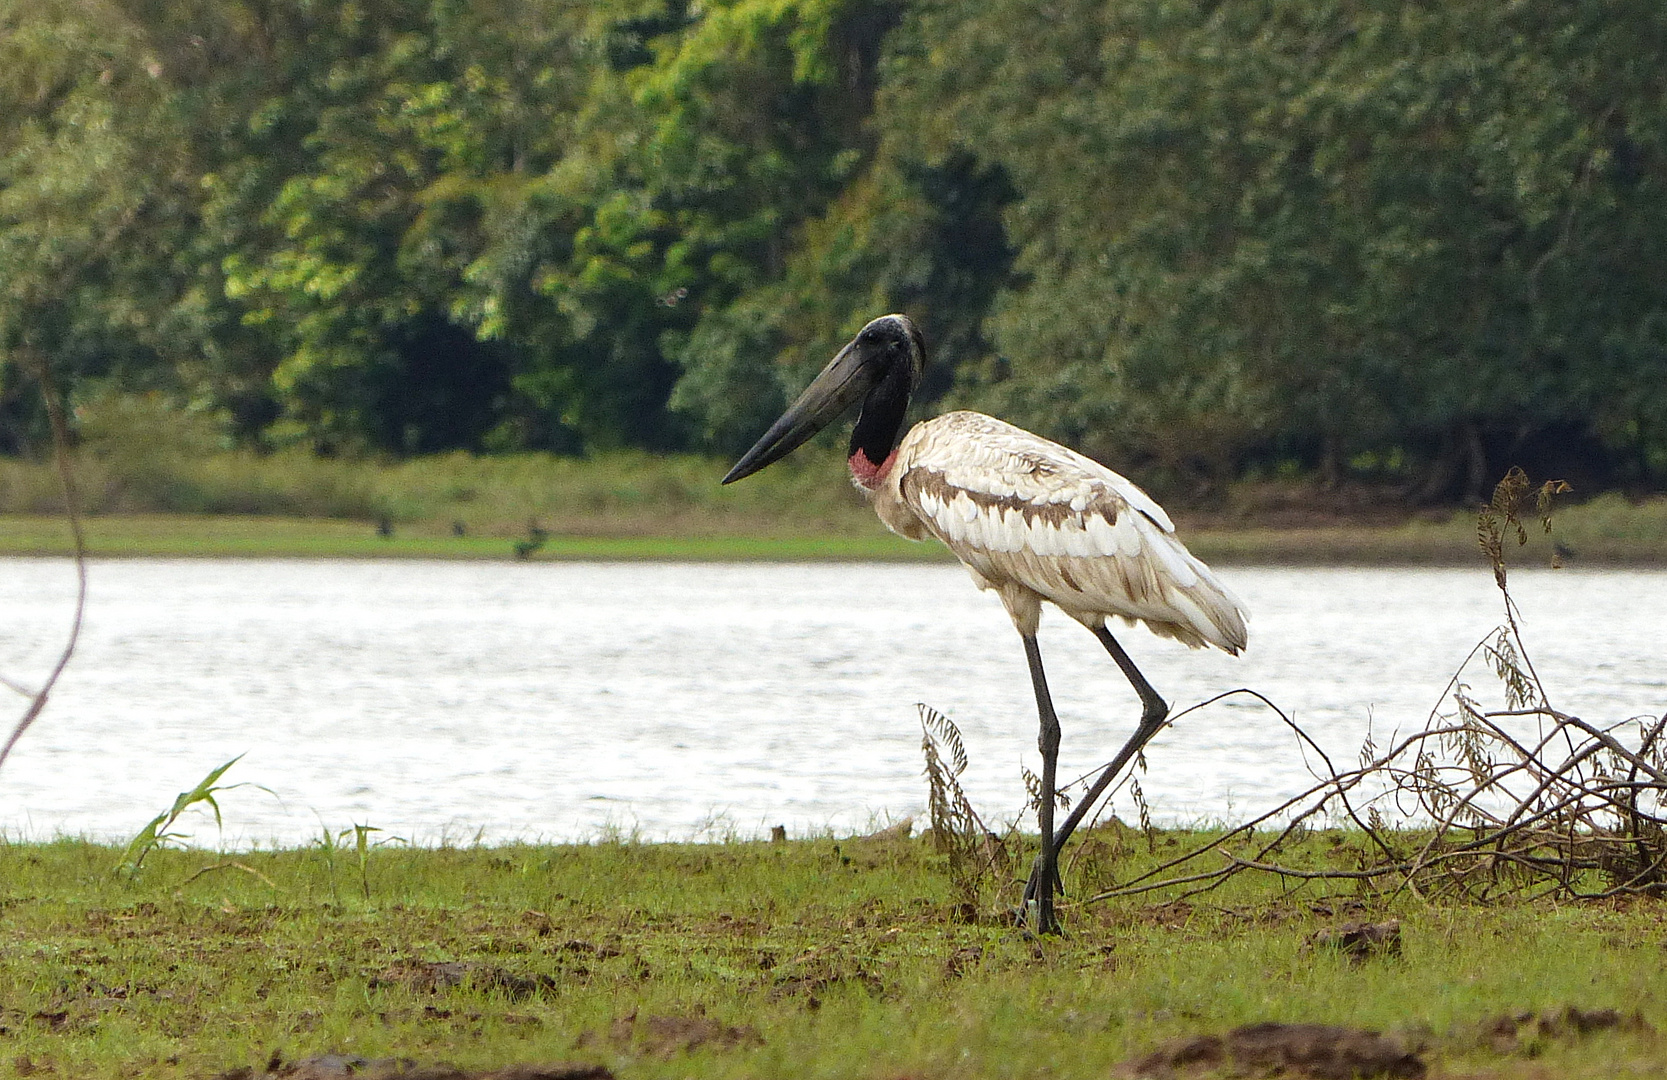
(1522, 800)
(72, 511)
(976, 855)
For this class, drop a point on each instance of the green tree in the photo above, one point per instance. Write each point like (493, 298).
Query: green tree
(89, 190)
(1318, 229)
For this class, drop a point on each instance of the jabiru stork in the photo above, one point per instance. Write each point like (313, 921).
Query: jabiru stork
(1032, 521)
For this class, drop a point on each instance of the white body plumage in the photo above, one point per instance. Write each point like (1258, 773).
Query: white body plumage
(1033, 520)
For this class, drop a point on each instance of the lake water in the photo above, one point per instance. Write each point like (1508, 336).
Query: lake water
(567, 701)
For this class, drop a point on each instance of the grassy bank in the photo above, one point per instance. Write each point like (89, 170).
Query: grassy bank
(148, 535)
(818, 957)
(1608, 531)
(624, 493)
(173, 498)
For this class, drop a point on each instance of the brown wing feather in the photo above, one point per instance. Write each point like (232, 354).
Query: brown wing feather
(1020, 510)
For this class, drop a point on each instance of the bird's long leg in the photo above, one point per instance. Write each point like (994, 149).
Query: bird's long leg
(1047, 741)
(1154, 710)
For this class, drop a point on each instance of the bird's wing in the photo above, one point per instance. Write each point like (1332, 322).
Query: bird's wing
(1017, 507)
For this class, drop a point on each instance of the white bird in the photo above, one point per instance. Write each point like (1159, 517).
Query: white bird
(1031, 520)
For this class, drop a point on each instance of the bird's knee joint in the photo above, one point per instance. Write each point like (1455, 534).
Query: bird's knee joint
(1047, 737)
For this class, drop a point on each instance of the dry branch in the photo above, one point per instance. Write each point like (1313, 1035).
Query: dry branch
(66, 481)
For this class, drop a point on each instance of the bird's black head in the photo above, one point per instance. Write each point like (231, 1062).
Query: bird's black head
(881, 367)
(892, 342)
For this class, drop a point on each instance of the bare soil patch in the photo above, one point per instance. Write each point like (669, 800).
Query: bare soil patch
(1360, 941)
(1320, 1051)
(1518, 1032)
(348, 1067)
(434, 977)
(665, 1036)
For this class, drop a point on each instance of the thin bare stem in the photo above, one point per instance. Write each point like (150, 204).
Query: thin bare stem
(72, 511)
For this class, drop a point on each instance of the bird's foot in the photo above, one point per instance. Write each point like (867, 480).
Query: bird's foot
(1031, 912)
(1033, 920)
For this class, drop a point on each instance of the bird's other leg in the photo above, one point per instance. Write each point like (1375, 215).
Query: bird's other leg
(1153, 712)
(1046, 869)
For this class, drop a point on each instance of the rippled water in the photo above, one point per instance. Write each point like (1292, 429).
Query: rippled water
(563, 701)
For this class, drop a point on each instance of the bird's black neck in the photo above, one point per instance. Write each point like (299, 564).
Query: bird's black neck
(879, 426)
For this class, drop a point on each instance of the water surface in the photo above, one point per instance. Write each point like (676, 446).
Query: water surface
(565, 701)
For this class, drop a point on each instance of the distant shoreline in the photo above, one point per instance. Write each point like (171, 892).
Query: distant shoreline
(630, 505)
(1449, 542)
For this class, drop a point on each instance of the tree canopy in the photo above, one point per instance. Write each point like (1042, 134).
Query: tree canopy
(1413, 241)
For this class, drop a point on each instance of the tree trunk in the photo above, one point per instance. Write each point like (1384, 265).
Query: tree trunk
(1460, 469)
(1475, 463)
(1331, 461)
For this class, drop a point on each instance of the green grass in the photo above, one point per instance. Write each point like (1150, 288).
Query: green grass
(1607, 531)
(846, 957)
(613, 494)
(143, 535)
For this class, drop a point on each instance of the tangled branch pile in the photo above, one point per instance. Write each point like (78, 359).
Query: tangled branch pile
(1524, 799)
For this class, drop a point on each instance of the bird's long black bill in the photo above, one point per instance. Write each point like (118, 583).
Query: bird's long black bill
(841, 384)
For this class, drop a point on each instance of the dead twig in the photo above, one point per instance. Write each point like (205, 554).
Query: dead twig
(230, 865)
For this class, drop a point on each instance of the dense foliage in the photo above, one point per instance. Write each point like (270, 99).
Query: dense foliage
(1416, 241)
